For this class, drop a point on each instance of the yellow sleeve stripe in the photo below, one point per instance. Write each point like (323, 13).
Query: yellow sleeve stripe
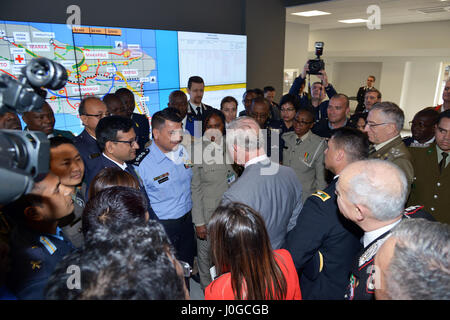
(322, 195)
(321, 261)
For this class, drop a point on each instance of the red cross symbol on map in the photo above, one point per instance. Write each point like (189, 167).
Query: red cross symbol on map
(19, 58)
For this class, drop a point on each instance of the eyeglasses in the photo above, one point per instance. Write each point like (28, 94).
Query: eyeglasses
(371, 125)
(129, 142)
(187, 270)
(98, 116)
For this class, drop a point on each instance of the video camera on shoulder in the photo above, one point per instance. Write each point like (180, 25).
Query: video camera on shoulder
(317, 65)
(24, 156)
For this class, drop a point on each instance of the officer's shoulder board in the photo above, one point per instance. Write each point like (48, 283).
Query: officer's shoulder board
(322, 195)
(141, 157)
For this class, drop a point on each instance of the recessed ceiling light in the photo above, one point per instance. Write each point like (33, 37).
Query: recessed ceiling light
(311, 13)
(353, 21)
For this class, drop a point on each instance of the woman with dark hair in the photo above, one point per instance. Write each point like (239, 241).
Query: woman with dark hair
(114, 208)
(247, 267)
(212, 176)
(228, 106)
(288, 107)
(110, 177)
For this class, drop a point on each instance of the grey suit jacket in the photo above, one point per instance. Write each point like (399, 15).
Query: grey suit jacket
(277, 197)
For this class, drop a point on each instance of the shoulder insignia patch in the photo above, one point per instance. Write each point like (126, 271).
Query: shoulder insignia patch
(141, 157)
(94, 155)
(322, 195)
(51, 248)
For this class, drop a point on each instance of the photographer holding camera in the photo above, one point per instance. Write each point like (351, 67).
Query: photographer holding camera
(314, 101)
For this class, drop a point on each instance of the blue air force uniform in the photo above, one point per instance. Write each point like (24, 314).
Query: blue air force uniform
(34, 256)
(167, 182)
(323, 244)
(87, 147)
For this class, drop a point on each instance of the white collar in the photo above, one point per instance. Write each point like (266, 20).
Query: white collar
(122, 166)
(417, 143)
(381, 145)
(370, 236)
(256, 160)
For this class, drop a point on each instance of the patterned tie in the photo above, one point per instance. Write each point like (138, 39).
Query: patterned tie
(442, 163)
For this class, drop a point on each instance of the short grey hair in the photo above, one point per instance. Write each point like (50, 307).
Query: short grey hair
(420, 265)
(391, 112)
(380, 186)
(245, 133)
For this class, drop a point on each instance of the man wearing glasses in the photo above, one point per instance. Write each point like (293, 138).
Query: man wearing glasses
(384, 124)
(91, 110)
(304, 152)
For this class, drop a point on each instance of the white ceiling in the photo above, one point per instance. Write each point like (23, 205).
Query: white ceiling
(392, 12)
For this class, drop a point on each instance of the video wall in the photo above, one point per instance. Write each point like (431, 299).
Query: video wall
(150, 63)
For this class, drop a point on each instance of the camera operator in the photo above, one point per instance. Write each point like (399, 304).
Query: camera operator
(44, 121)
(314, 102)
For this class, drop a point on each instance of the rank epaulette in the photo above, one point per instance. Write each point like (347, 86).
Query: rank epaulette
(141, 157)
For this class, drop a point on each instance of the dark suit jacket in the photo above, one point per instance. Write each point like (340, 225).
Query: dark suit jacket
(192, 117)
(322, 234)
(87, 147)
(97, 164)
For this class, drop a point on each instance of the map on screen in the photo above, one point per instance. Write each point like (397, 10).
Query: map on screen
(100, 60)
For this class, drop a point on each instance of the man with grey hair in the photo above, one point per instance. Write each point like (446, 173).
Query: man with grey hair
(413, 264)
(384, 124)
(372, 194)
(269, 188)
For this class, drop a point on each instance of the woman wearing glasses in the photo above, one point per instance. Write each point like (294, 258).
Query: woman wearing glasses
(288, 107)
(303, 152)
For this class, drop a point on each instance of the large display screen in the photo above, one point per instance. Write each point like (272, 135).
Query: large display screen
(150, 63)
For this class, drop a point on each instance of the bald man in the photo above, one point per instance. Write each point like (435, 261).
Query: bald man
(372, 194)
(91, 111)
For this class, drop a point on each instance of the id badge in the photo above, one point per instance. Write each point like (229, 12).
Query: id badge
(231, 177)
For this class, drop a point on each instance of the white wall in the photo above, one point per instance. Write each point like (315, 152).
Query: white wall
(296, 45)
(409, 54)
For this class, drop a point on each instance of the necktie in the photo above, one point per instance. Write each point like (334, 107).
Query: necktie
(131, 171)
(372, 149)
(298, 141)
(199, 112)
(442, 163)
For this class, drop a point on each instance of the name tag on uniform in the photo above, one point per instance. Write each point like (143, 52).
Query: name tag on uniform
(161, 177)
(231, 177)
(163, 180)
